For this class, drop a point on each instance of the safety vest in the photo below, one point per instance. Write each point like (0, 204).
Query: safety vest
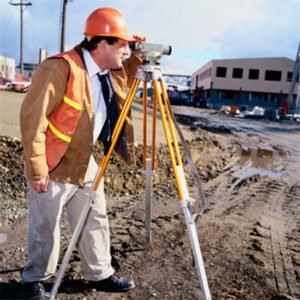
(63, 121)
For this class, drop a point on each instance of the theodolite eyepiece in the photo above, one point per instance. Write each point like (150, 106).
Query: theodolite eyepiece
(148, 47)
(151, 51)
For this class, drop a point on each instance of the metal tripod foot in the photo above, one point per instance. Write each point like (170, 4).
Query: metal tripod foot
(190, 221)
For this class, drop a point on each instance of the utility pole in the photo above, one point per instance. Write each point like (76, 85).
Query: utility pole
(63, 25)
(296, 74)
(21, 4)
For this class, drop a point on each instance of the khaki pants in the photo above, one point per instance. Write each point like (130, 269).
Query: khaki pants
(45, 213)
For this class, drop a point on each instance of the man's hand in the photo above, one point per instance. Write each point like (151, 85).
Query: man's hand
(40, 185)
(139, 38)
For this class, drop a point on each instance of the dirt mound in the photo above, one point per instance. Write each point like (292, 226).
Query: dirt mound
(209, 155)
(120, 179)
(249, 234)
(12, 180)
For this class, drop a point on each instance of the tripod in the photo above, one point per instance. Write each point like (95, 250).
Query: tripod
(148, 72)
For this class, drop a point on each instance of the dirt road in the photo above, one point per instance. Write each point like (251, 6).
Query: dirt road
(9, 113)
(10, 103)
(249, 234)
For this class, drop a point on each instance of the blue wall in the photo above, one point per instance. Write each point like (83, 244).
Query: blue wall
(241, 98)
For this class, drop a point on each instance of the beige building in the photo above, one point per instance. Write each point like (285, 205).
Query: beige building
(248, 82)
(7, 67)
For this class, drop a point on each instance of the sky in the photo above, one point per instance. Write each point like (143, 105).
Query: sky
(197, 30)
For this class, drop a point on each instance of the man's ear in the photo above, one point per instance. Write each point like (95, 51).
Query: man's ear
(102, 44)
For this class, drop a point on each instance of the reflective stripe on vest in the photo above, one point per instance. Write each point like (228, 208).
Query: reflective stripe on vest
(59, 134)
(54, 130)
(72, 103)
(63, 121)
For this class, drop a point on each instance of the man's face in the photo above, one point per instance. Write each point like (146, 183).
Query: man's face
(115, 54)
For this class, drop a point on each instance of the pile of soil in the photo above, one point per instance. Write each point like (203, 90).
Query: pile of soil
(12, 181)
(249, 233)
(120, 179)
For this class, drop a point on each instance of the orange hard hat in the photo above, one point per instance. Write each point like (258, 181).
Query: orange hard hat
(107, 22)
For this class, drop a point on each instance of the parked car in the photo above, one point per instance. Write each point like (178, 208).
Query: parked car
(21, 83)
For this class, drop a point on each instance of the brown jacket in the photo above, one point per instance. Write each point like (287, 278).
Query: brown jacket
(44, 96)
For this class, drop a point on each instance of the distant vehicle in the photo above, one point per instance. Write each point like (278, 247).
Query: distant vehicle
(179, 95)
(199, 102)
(256, 113)
(5, 84)
(296, 117)
(21, 83)
(20, 86)
(293, 117)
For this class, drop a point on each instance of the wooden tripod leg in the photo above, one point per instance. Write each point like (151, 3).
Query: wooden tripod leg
(144, 124)
(118, 128)
(154, 113)
(95, 185)
(181, 185)
(71, 246)
(173, 155)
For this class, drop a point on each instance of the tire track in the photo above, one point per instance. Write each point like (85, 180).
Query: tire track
(282, 219)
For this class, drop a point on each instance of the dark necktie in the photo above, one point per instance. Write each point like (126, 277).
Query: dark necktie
(111, 117)
(105, 88)
(106, 129)
(111, 111)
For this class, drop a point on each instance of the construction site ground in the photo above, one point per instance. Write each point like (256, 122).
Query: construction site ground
(249, 233)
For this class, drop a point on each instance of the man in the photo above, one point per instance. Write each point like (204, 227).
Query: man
(74, 100)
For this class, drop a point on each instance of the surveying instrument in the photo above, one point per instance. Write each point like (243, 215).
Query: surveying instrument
(148, 72)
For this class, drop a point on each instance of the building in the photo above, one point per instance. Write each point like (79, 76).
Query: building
(28, 69)
(245, 83)
(7, 68)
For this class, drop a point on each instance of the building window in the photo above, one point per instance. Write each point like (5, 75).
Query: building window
(205, 74)
(273, 75)
(289, 76)
(227, 95)
(221, 72)
(237, 73)
(253, 74)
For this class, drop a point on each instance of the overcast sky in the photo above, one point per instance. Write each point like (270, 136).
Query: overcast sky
(198, 30)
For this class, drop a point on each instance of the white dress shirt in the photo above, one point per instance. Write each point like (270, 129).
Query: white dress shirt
(98, 100)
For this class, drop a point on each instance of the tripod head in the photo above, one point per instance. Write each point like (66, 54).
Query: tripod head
(151, 53)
